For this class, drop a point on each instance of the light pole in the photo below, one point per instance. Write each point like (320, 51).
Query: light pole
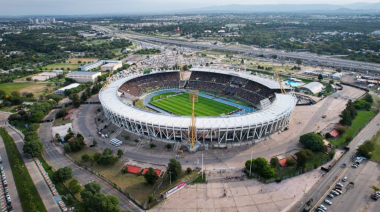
(170, 176)
(202, 167)
(250, 167)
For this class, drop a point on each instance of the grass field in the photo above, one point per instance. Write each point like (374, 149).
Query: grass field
(162, 95)
(17, 164)
(180, 105)
(361, 119)
(34, 88)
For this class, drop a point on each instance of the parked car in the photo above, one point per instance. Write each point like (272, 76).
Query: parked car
(373, 196)
(331, 196)
(322, 206)
(328, 201)
(344, 179)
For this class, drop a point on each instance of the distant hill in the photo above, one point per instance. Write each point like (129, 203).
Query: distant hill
(355, 7)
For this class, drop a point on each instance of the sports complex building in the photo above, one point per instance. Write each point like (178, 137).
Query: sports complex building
(244, 107)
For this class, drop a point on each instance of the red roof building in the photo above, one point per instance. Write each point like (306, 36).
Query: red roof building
(158, 172)
(334, 133)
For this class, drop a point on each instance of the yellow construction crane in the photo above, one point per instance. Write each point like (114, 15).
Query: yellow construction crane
(108, 79)
(192, 134)
(283, 91)
(180, 69)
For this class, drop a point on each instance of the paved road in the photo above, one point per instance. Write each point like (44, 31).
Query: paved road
(322, 186)
(16, 204)
(55, 156)
(328, 61)
(40, 183)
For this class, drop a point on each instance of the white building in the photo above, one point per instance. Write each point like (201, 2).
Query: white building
(82, 77)
(58, 71)
(97, 64)
(62, 90)
(337, 76)
(313, 87)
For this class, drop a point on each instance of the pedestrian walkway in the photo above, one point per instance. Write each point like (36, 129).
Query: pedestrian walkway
(39, 182)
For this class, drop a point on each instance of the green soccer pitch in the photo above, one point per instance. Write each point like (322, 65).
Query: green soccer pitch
(180, 105)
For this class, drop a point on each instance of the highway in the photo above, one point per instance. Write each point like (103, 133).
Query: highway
(324, 60)
(322, 186)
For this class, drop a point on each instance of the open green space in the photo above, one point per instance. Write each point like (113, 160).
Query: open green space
(162, 95)
(34, 88)
(358, 123)
(20, 175)
(180, 105)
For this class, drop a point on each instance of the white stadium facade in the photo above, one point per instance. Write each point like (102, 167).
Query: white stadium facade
(252, 126)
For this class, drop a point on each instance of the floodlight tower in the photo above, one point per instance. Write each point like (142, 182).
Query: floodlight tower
(192, 136)
(193, 97)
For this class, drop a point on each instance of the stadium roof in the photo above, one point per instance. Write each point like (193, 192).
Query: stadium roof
(272, 84)
(109, 99)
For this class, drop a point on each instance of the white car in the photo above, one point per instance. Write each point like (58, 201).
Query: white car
(328, 201)
(322, 206)
(331, 195)
(354, 166)
(344, 179)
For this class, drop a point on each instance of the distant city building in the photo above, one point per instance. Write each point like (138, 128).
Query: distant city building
(62, 90)
(36, 21)
(376, 32)
(53, 20)
(83, 77)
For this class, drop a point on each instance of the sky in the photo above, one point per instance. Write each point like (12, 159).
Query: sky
(79, 7)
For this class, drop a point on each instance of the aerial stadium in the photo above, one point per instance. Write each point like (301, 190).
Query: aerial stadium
(201, 106)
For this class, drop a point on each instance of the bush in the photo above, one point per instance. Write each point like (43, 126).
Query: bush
(274, 162)
(366, 149)
(85, 157)
(290, 161)
(341, 129)
(313, 141)
(168, 146)
(152, 145)
(188, 170)
(328, 135)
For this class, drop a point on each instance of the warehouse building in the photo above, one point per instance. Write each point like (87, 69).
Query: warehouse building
(83, 77)
(62, 90)
(312, 88)
(111, 66)
(99, 63)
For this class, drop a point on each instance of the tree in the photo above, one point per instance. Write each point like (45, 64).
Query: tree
(31, 136)
(36, 117)
(302, 158)
(274, 162)
(97, 201)
(368, 98)
(28, 79)
(76, 144)
(313, 141)
(366, 149)
(175, 168)
(67, 148)
(62, 174)
(152, 145)
(94, 142)
(290, 161)
(150, 176)
(188, 170)
(76, 100)
(85, 157)
(341, 129)
(261, 167)
(61, 113)
(320, 77)
(345, 118)
(168, 146)
(97, 156)
(74, 186)
(34, 148)
(299, 62)
(119, 153)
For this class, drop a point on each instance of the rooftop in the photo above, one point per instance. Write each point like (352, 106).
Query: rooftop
(77, 73)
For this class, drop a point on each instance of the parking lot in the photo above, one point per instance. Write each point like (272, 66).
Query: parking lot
(357, 197)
